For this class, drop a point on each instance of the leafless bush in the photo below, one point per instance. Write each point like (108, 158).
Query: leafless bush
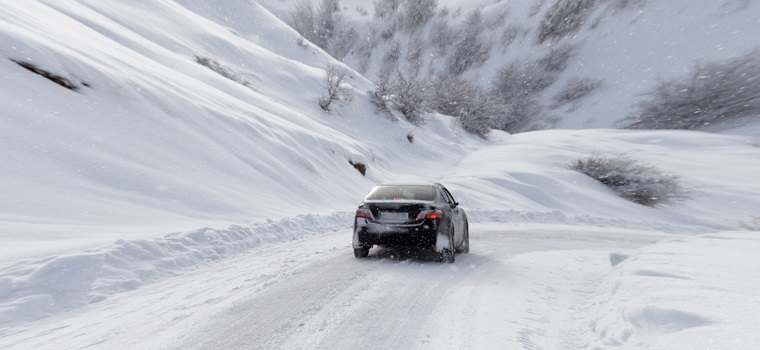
(302, 20)
(417, 13)
(382, 97)
(390, 60)
(344, 42)
(363, 52)
(576, 89)
(520, 80)
(558, 58)
(713, 93)
(55, 78)
(441, 36)
(408, 94)
(471, 50)
(415, 51)
(449, 94)
(386, 8)
(336, 90)
(324, 26)
(564, 18)
(477, 115)
(632, 180)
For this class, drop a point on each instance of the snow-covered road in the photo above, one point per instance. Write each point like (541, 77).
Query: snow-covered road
(520, 287)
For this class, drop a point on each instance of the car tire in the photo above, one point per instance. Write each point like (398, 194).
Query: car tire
(447, 254)
(360, 253)
(465, 247)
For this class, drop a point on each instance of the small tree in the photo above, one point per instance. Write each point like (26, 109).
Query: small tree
(408, 95)
(336, 90)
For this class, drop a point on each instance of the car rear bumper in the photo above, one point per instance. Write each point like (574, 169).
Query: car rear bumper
(420, 235)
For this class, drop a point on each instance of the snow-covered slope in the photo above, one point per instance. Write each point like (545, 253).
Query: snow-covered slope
(152, 141)
(625, 47)
(530, 172)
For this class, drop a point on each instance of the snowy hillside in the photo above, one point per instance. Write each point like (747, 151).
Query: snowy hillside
(170, 179)
(151, 141)
(589, 69)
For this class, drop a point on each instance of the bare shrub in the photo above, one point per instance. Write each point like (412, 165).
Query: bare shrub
(324, 26)
(55, 78)
(363, 52)
(382, 97)
(408, 94)
(302, 20)
(220, 69)
(558, 58)
(471, 50)
(415, 52)
(713, 93)
(449, 94)
(441, 36)
(410, 137)
(344, 42)
(477, 115)
(390, 60)
(565, 17)
(576, 89)
(336, 90)
(386, 8)
(632, 180)
(416, 13)
(521, 79)
(518, 85)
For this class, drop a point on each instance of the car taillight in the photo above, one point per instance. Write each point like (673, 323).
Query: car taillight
(431, 215)
(364, 213)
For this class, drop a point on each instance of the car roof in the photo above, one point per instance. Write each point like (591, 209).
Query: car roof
(411, 184)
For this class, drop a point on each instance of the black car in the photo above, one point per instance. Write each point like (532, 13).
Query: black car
(422, 216)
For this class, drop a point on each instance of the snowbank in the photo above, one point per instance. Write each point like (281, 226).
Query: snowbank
(691, 293)
(34, 289)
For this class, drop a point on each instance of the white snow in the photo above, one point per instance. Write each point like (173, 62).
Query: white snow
(254, 181)
(686, 293)
(159, 143)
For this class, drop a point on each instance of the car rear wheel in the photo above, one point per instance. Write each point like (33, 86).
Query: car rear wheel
(465, 247)
(361, 252)
(447, 254)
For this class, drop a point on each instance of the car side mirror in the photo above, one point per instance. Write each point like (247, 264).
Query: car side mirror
(454, 205)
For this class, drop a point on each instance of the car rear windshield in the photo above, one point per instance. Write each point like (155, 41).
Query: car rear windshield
(406, 192)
